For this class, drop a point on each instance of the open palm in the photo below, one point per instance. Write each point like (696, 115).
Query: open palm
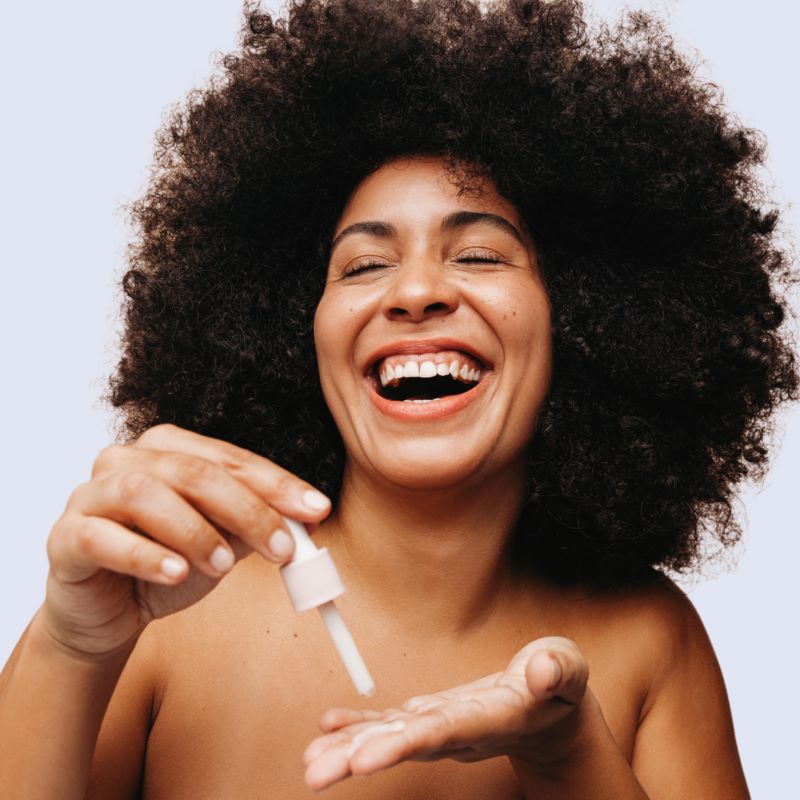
(504, 713)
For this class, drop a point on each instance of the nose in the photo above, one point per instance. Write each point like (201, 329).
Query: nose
(420, 289)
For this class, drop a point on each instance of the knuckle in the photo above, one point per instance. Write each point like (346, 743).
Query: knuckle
(284, 483)
(84, 539)
(191, 471)
(157, 434)
(139, 556)
(57, 538)
(258, 516)
(107, 459)
(197, 535)
(235, 458)
(76, 495)
(131, 486)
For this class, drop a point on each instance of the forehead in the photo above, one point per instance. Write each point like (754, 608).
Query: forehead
(418, 191)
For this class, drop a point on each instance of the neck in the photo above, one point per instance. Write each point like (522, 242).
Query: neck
(427, 560)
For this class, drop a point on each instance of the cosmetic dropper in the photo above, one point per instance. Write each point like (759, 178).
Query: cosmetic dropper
(312, 581)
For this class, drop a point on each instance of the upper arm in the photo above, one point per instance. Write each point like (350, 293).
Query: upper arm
(118, 763)
(685, 744)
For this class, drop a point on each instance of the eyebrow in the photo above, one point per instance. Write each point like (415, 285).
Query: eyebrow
(459, 219)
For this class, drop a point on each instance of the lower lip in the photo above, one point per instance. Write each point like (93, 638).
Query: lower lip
(435, 409)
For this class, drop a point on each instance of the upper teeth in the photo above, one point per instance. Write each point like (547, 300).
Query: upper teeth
(455, 367)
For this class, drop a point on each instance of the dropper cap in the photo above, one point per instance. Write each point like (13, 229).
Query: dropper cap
(312, 581)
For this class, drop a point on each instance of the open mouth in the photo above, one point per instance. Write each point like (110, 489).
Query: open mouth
(424, 378)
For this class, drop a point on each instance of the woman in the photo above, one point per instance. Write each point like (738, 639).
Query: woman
(433, 186)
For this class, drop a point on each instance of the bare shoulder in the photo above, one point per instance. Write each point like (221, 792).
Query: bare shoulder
(662, 628)
(651, 623)
(646, 641)
(685, 743)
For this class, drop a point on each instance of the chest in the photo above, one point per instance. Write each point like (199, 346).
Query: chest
(241, 703)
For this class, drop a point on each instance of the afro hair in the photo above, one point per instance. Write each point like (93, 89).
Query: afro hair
(653, 231)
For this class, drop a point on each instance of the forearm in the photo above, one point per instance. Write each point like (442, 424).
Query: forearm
(593, 768)
(51, 706)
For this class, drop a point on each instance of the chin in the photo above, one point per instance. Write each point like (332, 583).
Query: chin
(431, 467)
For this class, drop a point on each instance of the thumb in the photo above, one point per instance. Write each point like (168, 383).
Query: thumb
(557, 669)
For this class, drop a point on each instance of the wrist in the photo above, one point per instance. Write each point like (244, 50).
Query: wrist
(48, 637)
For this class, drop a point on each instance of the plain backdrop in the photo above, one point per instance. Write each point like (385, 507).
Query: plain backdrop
(85, 85)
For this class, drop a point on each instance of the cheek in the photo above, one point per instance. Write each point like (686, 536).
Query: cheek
(333, 324)
(523, 320)
(530, 317)
(338, 320)
(520, 312)
(323, 318)
(328, 345)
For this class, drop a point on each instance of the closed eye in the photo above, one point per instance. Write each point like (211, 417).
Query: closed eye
(371, 266)
(360, 269)
(479, 257)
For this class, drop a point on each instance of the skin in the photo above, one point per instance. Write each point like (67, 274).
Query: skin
(226, 694)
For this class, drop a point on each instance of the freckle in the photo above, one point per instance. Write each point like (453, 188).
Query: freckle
(404, 655)
(513, 313)
(267, 630)
(295, 635)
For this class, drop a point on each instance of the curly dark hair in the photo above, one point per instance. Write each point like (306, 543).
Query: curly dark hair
(657, 243)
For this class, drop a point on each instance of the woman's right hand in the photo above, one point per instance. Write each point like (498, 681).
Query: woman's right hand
(161, 521)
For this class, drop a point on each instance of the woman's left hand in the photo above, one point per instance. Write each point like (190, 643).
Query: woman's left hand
(528, 712)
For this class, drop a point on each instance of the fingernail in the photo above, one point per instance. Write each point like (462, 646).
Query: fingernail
(555, 674)
(171, 567)
(314, 501)
(281, 544)
(221, 559)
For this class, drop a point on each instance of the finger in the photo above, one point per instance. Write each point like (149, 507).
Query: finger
(424, 701)
(372, 747)
(98, 543)
(429, 735)
(322, 744)
(335, 718)
(334, 762)
(284, 491)
(330, 767)
(137, 499)
(223, 499)
(347, 732)
(344, 736)
(558, 669)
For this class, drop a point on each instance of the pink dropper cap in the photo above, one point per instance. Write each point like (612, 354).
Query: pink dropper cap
(312, 581)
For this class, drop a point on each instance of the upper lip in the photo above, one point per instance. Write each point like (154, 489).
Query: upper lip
(419, 346)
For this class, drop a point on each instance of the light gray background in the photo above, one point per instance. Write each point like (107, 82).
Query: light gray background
(84, 87)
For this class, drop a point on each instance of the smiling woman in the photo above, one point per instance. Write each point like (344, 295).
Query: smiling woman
(506, 293)
(423, 277)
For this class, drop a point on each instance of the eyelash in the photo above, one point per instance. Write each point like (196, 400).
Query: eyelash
(371, 265)
(359, 268)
